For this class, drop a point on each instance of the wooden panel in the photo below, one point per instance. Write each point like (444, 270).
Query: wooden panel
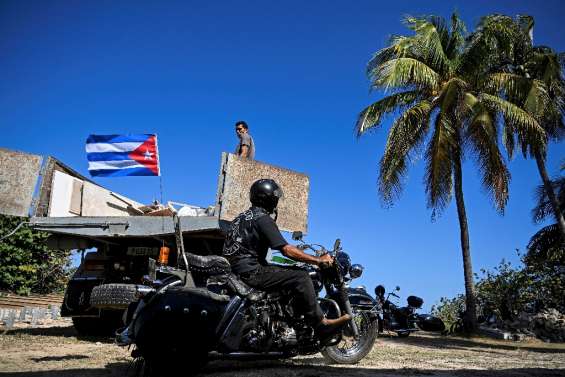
(18, 177)
(61, 195)
(97, 201)
(10, 300)
(76, 198)
(236, 177)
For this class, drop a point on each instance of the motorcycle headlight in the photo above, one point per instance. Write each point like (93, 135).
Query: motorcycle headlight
(356, 271)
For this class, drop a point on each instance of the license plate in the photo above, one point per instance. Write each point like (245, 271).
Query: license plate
(143, 251)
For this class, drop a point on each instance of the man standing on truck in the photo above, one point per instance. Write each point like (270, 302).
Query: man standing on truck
(251, 235)
(246, 146)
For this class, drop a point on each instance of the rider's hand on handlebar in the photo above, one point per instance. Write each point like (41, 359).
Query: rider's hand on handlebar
(326, 260)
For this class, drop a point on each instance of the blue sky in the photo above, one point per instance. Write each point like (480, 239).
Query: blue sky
(295, 71)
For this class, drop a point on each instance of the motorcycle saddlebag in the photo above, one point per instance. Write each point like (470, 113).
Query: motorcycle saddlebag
(415, 301)
(179, 318)
(430, 323)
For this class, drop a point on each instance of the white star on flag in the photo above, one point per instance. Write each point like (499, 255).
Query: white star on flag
(148, 155)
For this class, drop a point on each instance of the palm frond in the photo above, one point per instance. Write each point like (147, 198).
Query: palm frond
(543, 208)
(403, 72)
(406, 134)
(493, 44)
(530, 134)
(457, 37)
(537, 101)
(483, 135)
(511, 84)
(439, 164)
(526, 23)
(430, 39)
(372, 115)
(509, 139)
(531, 95)
(543, 242)
(383, 55)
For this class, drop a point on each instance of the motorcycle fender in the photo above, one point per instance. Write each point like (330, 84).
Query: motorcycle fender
(361, 299)
(178, 316)
(233, 326)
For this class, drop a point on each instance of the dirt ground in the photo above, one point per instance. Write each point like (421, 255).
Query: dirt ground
(55, 350)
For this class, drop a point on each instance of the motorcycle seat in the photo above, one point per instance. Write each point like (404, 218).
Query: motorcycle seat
(208, 264)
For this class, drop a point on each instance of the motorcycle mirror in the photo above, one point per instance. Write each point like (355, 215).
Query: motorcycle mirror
(397, 288)
(297, 235)
(337, 244)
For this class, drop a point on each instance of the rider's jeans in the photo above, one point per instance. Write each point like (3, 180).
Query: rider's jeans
(296, 281)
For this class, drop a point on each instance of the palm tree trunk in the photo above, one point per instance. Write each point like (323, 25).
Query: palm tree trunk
(470, 300)
(550, 194)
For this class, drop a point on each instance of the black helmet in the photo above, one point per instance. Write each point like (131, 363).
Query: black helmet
(265, 193)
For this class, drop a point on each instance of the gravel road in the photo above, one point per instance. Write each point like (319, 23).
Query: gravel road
(55, 350)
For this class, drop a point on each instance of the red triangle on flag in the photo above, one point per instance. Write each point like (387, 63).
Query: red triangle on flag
(146, 154)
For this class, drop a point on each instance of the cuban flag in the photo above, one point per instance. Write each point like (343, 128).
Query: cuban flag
(122, 155)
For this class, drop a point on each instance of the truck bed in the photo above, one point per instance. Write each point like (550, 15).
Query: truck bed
(128, 226)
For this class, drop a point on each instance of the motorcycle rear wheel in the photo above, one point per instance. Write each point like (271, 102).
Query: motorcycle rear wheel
(349, 350)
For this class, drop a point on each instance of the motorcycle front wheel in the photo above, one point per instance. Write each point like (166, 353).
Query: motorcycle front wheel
(350, 350)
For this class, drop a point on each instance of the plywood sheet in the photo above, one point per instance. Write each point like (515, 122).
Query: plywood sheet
(236, 177)
(62, 195)
(18, 176)
(97, 201)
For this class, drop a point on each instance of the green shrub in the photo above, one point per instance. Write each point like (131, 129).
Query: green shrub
(449, 310)
(506, 291)
(26, 264)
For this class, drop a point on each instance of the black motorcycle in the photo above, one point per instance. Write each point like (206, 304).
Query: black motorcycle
(210, 312)
(404, 320)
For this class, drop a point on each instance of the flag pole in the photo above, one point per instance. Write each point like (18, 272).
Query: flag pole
(158, 157)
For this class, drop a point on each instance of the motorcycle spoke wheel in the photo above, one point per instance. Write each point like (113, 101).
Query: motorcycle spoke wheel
(350, 350)
(349, 345)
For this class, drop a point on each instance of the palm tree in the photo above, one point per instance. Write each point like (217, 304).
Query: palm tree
(545, 257)
(532, 78)
(547, 240)
(434, 90)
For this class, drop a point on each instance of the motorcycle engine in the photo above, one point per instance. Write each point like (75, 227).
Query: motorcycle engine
(268, 328)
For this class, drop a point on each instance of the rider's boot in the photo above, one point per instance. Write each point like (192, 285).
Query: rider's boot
(328, 327)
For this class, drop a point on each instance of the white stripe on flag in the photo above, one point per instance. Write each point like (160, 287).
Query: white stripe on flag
(111, 147)
(121, 164)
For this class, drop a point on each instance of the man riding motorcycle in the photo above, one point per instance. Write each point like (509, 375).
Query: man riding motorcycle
(252, 233)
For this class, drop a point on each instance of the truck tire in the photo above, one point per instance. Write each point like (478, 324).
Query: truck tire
(113, 296)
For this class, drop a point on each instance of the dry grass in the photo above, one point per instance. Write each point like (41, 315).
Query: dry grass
(55, 350)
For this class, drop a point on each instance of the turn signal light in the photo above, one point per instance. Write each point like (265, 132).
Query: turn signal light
(164, 255)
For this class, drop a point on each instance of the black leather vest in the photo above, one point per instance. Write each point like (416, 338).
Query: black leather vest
(243, 238)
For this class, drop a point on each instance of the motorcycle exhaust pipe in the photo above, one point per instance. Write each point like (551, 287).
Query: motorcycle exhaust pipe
(246, 356)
